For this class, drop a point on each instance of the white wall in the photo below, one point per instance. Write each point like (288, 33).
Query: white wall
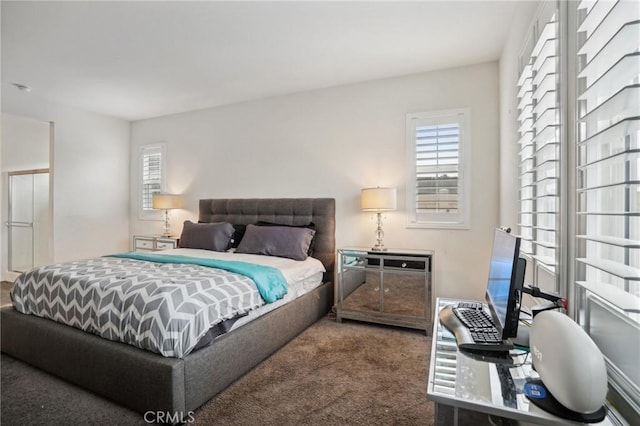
(332, 143)
(90, 170)
(25, 143)
(509, 159)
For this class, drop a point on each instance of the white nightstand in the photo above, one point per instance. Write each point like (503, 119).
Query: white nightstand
(153, 243)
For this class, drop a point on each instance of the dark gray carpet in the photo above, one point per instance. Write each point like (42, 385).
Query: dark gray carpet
(331, 374)
(32, 397)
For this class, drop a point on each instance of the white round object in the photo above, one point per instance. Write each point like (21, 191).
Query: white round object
(569, 363)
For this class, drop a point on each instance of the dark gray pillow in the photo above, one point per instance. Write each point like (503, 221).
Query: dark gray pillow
(282, 241)
(310, 225)
(207, 236)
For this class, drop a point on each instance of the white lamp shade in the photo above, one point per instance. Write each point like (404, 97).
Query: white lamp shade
(167, 201)
(378, 199)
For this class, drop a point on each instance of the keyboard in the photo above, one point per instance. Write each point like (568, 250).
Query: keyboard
(473, 328)
(478, 322)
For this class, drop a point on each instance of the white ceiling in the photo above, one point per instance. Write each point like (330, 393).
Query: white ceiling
(136, 60)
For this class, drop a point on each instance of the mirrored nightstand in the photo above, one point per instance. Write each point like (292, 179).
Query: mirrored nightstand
(392, 287)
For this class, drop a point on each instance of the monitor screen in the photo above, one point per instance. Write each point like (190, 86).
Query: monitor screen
(504, 286)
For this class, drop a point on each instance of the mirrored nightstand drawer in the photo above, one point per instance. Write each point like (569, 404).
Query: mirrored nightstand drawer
(153, 243)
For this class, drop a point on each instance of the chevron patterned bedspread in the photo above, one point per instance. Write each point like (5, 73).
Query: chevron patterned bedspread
(161, 307)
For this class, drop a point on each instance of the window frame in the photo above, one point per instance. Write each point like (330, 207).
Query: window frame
(151, 214)
(461, 219)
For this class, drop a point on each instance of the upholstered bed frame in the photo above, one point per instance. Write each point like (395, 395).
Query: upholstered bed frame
(145, 381)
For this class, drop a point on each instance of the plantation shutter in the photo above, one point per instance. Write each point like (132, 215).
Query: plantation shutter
(151, 175)
(608, 186)
(437, 187)
(539, 143)
(437, 163)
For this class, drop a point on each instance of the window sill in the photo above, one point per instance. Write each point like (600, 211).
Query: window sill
(437, 225)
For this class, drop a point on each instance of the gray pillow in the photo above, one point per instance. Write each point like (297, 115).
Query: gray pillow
(282, 241)
(207, 236)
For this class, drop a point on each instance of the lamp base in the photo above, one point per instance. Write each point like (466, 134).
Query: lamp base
(166, 223)
(379, 235)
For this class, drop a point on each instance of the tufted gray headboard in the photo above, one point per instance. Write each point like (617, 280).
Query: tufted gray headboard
(287, 211)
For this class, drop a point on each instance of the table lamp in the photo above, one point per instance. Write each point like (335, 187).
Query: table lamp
(378, 200)
(166, 202)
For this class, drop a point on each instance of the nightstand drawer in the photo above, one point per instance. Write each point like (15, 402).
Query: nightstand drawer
(153, 243)
(165, 245)
(399, 263)
(143, 244)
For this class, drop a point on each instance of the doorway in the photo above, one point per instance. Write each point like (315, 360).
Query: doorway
(28, 220)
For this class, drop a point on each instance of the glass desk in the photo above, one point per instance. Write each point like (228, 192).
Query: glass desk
(465, 387)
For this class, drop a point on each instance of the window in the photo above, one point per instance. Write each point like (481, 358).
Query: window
(152, 175)
(438, 186)
(608, 186)
(579, 105)
(539, 145)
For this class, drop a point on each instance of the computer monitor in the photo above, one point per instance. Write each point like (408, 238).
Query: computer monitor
(506, 279)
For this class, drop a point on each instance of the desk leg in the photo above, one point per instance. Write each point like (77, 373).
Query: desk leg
(445, 415)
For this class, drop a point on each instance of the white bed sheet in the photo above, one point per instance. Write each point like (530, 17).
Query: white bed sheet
(302, 276)
(293, 270)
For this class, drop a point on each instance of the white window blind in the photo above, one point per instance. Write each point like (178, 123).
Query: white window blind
(151, 177)
(539, 142)
(437, 163)
(436, 191)
(608, 186)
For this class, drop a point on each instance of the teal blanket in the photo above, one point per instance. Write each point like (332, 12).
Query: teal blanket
(270, 281)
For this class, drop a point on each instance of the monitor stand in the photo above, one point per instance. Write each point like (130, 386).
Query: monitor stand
(522, 339)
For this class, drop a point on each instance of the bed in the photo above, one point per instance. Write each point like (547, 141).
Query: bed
(146, 381)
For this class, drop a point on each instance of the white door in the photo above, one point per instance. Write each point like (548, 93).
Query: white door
(29, 220)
